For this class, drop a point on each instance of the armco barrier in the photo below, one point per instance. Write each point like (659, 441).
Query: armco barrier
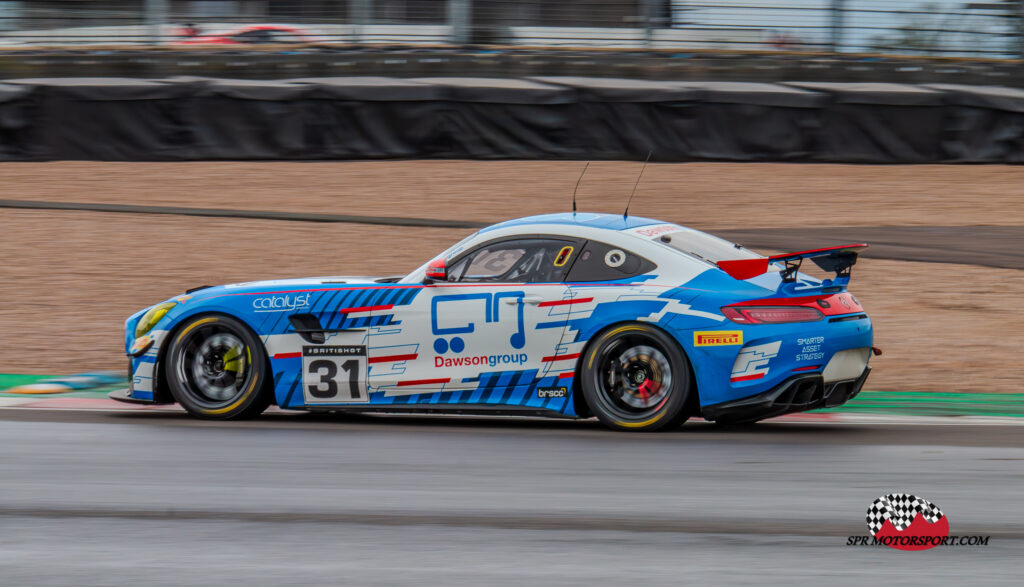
(117, 119)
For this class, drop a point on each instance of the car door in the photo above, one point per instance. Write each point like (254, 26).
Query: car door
(497, 322)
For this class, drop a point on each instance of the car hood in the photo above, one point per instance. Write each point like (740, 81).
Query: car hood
(283, 285)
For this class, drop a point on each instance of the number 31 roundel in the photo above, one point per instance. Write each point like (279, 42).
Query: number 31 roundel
(334, 374)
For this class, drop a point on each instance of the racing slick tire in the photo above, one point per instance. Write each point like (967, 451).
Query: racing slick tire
(217, 369)
(635, 377)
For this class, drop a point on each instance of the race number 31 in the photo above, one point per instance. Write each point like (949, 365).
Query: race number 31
(334, 374)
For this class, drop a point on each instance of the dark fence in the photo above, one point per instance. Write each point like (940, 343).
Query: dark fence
(473, 118)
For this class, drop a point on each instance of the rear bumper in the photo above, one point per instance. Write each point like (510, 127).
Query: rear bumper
(796, 394)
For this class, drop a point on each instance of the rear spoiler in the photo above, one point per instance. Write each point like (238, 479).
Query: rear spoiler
(838, 259)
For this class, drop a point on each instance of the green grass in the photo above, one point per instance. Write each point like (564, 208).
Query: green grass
(923, 403)
(9, 380)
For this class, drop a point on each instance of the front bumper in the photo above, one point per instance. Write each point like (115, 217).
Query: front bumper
(125, 395)
(796, 394)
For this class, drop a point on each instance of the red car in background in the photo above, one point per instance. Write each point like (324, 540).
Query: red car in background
(257, 34)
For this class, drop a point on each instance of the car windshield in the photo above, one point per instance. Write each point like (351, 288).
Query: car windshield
(705, 246)
(447, 255)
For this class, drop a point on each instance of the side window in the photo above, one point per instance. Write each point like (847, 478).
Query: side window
(258, 36)
(493, 262)
(532, 260)
(601, 262)
(283, 36)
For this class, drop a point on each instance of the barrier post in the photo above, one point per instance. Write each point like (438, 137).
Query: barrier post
(459, 15)
(647, 16)
(359, 16)
(156, 16)
(1020, 29)
(836, 42)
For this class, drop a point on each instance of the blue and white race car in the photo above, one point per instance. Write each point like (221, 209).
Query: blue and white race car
(638, 322)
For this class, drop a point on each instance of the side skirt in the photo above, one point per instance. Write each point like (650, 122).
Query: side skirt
(464, 409)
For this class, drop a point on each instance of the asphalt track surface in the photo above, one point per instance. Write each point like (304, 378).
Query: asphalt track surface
(102, 498)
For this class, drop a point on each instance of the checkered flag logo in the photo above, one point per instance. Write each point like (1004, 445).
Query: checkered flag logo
(900, 509)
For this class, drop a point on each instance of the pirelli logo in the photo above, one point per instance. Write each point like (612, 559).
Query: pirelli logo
(718, 338)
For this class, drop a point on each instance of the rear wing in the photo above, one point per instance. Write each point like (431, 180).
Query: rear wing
(838, 259)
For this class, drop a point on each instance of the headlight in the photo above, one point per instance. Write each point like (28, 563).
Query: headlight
(152, 316)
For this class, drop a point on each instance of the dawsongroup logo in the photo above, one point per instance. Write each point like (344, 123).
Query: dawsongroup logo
(907, 522)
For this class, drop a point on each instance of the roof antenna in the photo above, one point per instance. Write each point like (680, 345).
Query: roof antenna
(625, 214)
(578, 187)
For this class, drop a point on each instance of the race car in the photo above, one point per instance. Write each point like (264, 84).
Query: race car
(638, 322)
(257, 34)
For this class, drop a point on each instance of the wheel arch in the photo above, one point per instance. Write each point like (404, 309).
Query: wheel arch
(580, 404)
(161, 388)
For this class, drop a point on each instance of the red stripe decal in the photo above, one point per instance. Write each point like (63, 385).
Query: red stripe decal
(416, 285)
(807, 368)
(366, 309)
(287, 355)
(564, 302)
(391, 358)
(560, 357)
(566, 375)
(747, 377)
(423, 382)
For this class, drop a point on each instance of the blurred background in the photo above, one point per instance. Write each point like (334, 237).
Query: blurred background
(120, 122)
(936, 27)
(151, 146)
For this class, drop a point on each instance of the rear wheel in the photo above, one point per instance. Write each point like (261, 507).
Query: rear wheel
(217, 369)
(635, 377)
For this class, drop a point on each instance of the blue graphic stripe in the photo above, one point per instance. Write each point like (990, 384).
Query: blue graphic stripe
(266, 318)
(327, 302)
(334, 319)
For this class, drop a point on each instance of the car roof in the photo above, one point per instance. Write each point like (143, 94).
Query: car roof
(588, 219)
(255, 27)
(274, 27)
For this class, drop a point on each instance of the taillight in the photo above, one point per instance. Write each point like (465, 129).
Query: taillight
(771, 314)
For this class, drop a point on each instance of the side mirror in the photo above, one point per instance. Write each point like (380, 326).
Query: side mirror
(437, 271)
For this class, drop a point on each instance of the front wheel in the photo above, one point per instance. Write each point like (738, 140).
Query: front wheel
(216, 369)
(635, 377)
